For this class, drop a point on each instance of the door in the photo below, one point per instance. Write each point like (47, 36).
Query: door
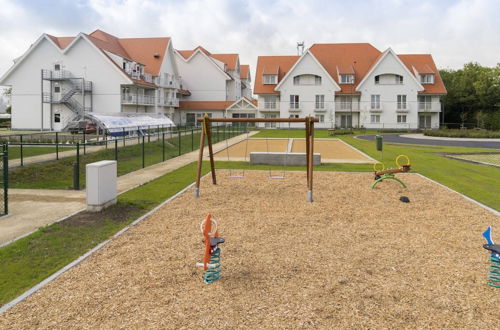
(345, 121)
(270, 125)
(424, 121)
(57, 123)
(56, 92)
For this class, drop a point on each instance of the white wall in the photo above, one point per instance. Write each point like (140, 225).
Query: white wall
(307, 93)
(202, 78)
(388, 92)
(82, 60)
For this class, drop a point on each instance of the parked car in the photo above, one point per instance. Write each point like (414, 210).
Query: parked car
(82, 126)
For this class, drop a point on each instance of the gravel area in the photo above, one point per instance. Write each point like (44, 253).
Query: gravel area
(356, 257)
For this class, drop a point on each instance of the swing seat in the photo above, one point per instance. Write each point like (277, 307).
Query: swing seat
(276, 177)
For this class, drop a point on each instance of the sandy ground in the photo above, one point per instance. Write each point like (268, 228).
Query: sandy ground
(331, 150)
(355, 257)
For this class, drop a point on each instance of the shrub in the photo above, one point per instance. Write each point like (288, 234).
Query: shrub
(464, 133)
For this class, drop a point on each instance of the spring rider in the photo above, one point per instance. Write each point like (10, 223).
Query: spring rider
(382, 174)
(494, 271)
(211, 257)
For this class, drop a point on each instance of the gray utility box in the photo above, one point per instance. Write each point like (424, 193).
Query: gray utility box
(101, 185)
(283, 158)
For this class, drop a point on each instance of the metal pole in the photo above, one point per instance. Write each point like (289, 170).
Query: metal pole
(192, 139)
(123, 131)
(21, 140)
(57, 146)
(6, 178)
(84, 141)
(149, 133)
(116, 150)
(143, 163)
(179, 134)
(138, 137)
(76, 169)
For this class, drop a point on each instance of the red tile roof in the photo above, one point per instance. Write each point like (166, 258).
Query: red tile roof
(144, 50)
(424, 63)
(278, 64)
(244, 71)
(229, 59)
(61, 42)
(348, 58)
(204, 105)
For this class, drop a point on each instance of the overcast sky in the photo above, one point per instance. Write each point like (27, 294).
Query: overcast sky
(453, 31)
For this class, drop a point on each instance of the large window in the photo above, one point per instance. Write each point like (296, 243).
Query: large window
(347, 79)
(321, 118)
(401, 102)
(375, 102)
(320, 102)
(401, 119)
(427, 79)
(270, 102)
(294, 102)
(375, 119)
(307, 79)
(345, 102)
(270, 79)
(424, 102)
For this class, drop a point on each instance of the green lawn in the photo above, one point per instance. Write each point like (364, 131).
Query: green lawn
(473, 180)
(31, 259)
(29, 151)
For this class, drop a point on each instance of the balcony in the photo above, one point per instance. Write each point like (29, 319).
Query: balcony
(271, 106)
(376, 108)
(402, 107)
(320, 107)
(346, 106)
(138, 76)
(295, 107)
(138, 99)
(168, 102)
(429, 107)
(56, 75)
(169, 81)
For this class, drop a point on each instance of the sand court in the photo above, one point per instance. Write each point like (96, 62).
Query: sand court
(331, 150)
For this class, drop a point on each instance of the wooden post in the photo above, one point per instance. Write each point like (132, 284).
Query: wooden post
(311, 161)
(200, 160)
(208, 129)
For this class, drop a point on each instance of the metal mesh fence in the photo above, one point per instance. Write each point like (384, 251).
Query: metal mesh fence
(4, 181)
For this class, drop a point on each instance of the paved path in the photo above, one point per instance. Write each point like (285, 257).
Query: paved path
(31, 209)
(452, 142)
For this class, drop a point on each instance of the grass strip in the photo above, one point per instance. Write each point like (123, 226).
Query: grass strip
(31, 259)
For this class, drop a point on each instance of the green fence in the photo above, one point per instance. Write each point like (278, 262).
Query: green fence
(133, 150)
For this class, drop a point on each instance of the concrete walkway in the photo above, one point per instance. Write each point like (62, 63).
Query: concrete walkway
(30, 209)
(436, 141)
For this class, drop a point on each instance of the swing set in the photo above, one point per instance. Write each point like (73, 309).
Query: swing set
(206, 132)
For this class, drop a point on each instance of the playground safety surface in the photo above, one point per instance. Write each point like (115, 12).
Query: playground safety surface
(355, 257)
(331, 150)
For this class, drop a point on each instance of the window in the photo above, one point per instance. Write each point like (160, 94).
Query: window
(427, 78)
(320, 102)
(124, 65)
(57, 89)
(294, 116)
(377, 80)
(401, 102)
(307, 79)
(399, 80)
(321, 118)
(347, 79)
(345, 102)
(57, 118)
(401, 118)
(317, 80)
(296, 80)
(270, 79)
(243, 115)
(375, 101)
(57, 67)
(270, 102)
(375, 118)
(424, 102)
(294, 102)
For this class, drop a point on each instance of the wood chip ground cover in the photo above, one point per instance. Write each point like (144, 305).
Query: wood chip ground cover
(355, 257)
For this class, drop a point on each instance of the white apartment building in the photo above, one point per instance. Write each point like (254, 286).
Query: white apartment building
(351, 84)
(218, 85)
(62, 79)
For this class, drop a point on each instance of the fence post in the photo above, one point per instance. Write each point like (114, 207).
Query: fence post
(21, 141)
(76, 169)
(163, 147)
(158, 132)
(192, 139)
(143, 163)
(116, 150)
(6, 178)
(57, 146)
(138, 136)
(179, 134)
(123, 131)
(84, 142)
(149, 133)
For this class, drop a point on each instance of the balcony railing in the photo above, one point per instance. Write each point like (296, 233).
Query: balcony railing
(138, 76)
(138, 99)
(56, 74)
(271, 105)
(169, 81)
(375, 107)
(429, 106)
(346, 106)
(168, 102)
(294, 106)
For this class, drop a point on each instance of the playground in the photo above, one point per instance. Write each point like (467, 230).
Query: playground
(331, 150)
(355, 257)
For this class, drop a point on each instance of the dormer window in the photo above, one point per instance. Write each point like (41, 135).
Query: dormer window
(270, 79)
(347, 79)
(427, 79)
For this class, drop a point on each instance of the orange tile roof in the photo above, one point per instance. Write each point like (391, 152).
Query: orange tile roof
(229, 59)
(244, 71)
(61, 42)
(187, 53)
(359, 56)
(143, 50)
(108, 42)
(204, 105)
(279, 64)
(425, 62)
